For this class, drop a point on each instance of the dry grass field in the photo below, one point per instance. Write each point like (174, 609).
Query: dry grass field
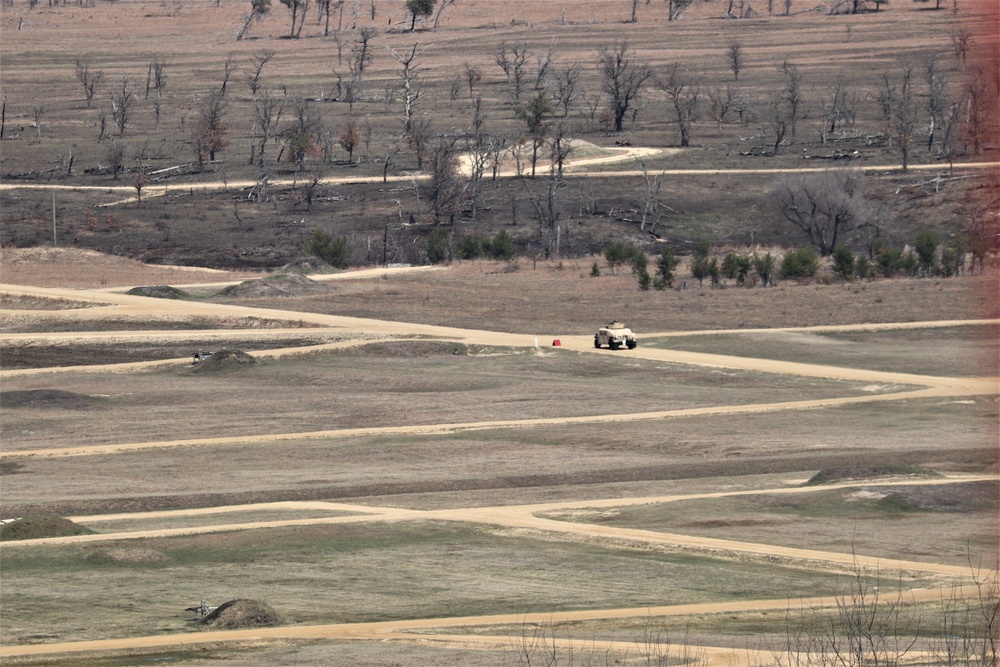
(412, 472)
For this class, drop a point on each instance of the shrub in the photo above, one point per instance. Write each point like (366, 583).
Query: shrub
(764, 266)
(926, 245)
(843, 262)
(801, 263)
(666, 263)
(437, 245)
(333, 250)
(469, 247)
(595, 271)
(501, 247)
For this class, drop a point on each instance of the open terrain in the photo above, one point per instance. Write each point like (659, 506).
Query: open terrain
(509, 493)
(432, 464)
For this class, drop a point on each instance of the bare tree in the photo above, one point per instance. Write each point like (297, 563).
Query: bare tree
(298, 9)
(361, 53)
(903, 118)
(257, 63)
(410, 85)
(825, 206)
(437, 15)
(156, 77)
(623, 79)
(937, 98)
(542, 64)
(90, 81)
(564, 85)
(792, 96)
(122, 101)
(443, 190)
(302, 137)
(268, 108)
(473, 75)
(258, 8)
(350, 138)
(683, 96)
(511, 58)
(734, 54)
(979, 106)
(210, 131)
(676, 7)
(838, 109)
(721, 104)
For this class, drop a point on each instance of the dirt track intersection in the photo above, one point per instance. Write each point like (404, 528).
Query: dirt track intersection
(812, 389)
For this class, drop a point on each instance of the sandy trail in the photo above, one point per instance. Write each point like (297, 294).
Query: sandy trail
(578, 167)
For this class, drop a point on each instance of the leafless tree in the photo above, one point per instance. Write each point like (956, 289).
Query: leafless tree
(116, 158)
(542, 65)
(825, 206)
(443, 190)
(734, 54)
(676, 7)
(410, 85)
(361, 53)
(903, 114)
(635, 9)
(156, 77)
(960, 38)
(979, 106)
(90, 81)
(268, 108)
(258, 8)
(419, 139)
(302, 137)
(937, 98)
(122, 101)
(298, 9)
(350, 138)
(684, 96)
(437, 15)
(210, 131)
(623, 79)
(473, 75)
(721, 104)
(257, 63)
(792, 96)
(564, 86)
(511, 58)
(839, 108)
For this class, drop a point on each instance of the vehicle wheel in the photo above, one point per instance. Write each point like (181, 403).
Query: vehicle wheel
(597, 343)
(631, 344)
(613, 345)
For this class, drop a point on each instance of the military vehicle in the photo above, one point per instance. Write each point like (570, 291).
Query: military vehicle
(614, 335)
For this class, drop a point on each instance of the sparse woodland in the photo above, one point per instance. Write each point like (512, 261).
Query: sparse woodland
(229, 132)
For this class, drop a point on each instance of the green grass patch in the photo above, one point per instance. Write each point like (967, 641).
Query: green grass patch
(838, 475)
(379, 571)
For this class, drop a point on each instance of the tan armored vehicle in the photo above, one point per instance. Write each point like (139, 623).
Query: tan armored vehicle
(614, 335)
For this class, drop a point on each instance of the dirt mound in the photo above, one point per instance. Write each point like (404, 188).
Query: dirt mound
(224, 360)
(836, 475)
(159, 292)
(278, 285)
(46, 398)
(37, 527)
(307, 265)
(242, 614)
